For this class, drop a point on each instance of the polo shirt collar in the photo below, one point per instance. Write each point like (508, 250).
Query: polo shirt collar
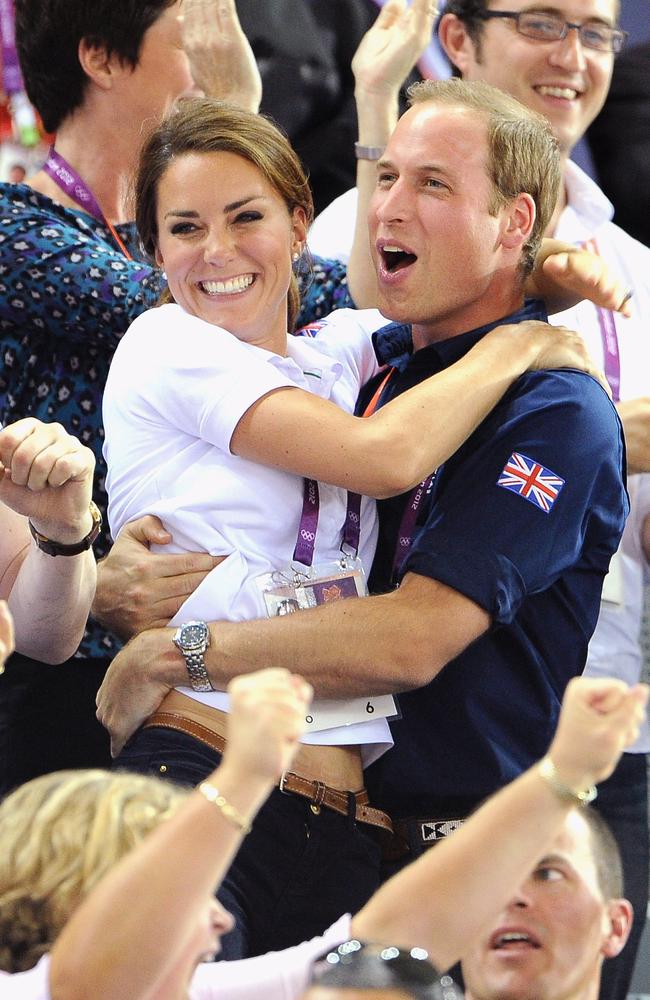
(394, 344)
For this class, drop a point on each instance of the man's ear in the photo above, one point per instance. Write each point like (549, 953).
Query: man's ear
(97, 64)
(456, 42)
(619, 917)
(518, 221)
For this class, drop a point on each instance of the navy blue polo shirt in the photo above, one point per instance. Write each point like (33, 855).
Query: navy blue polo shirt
(523, 520)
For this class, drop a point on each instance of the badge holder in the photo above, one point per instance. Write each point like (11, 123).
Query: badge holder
(299, 587)
(302, 585)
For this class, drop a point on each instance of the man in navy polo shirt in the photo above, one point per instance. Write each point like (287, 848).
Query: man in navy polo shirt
(500, 557)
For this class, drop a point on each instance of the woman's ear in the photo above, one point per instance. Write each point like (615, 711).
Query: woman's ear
(299, 229)
(159, 259)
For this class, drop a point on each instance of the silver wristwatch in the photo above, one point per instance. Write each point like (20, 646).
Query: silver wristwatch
(193, 638)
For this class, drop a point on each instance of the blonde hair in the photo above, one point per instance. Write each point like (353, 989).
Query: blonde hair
(59, 834)
(523, 154)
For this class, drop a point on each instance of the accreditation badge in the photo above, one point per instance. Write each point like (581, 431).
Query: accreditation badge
(297, 588)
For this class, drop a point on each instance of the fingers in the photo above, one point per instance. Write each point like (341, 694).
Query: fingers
(587, 274)
(390, 13)
(275, 697)
(146, 530)
(36, 455)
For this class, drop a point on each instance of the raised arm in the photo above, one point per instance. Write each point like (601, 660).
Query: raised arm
(221, 59)
(46, 477)
(385, 57)
(123, 953)
(446, 897)
(394, 449)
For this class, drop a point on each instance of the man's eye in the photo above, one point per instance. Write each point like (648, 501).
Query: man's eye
(385, 178)
(549, 874)
(594, 34)
(433, 182)
(544, 26)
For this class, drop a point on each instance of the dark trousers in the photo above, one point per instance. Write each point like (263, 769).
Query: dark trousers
(47, 718)
(623, 802)
(299, 870)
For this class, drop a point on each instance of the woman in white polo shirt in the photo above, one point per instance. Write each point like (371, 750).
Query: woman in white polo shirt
(213, 415)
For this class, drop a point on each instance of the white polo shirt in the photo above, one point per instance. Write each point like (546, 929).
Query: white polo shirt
(176, 390)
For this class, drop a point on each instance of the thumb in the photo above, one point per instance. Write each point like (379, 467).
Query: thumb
(556, 263)
(147, 530)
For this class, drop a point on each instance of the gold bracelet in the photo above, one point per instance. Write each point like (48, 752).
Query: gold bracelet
(229, 812)
(582, 796)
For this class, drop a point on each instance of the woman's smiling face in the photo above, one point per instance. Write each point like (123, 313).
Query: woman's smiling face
(225, 241)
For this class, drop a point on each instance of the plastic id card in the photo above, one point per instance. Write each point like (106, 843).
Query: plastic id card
(296, 588)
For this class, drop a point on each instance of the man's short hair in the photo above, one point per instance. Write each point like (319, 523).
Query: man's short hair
(606, 854)
(523, 154)
(48, 33)
(358, 966)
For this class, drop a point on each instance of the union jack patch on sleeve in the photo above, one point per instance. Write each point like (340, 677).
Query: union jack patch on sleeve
(531, 481)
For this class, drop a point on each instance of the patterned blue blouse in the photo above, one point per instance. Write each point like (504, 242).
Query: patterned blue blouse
(67, 295)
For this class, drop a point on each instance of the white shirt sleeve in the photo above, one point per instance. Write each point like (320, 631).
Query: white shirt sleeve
(31, 985)
(279, 975)
(181, 371)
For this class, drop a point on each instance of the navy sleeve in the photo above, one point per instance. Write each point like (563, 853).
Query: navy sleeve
(538, 488)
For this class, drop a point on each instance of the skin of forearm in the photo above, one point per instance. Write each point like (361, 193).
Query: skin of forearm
(115, 952)
(50, 601)
(408, 636)
(444, 900)
(377, 116)
(490, 368)
(380, 456)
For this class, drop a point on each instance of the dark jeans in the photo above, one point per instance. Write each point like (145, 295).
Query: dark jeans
(623, 802)
(47, 718)
(295, 874)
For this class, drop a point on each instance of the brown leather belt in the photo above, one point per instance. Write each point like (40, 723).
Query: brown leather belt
(316, 792)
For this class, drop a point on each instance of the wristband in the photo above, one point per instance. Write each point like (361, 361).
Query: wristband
(581, 796)
(368, 152)
(229, 813)
(52, 548)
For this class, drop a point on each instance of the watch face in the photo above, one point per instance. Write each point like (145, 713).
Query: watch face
(193, 634)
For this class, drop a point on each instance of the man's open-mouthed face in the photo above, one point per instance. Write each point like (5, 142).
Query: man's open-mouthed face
(550, 941)
(437, 249)
(565, 80)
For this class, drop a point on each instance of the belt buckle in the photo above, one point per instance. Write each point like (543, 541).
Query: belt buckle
(282, 779)
(432, 830)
